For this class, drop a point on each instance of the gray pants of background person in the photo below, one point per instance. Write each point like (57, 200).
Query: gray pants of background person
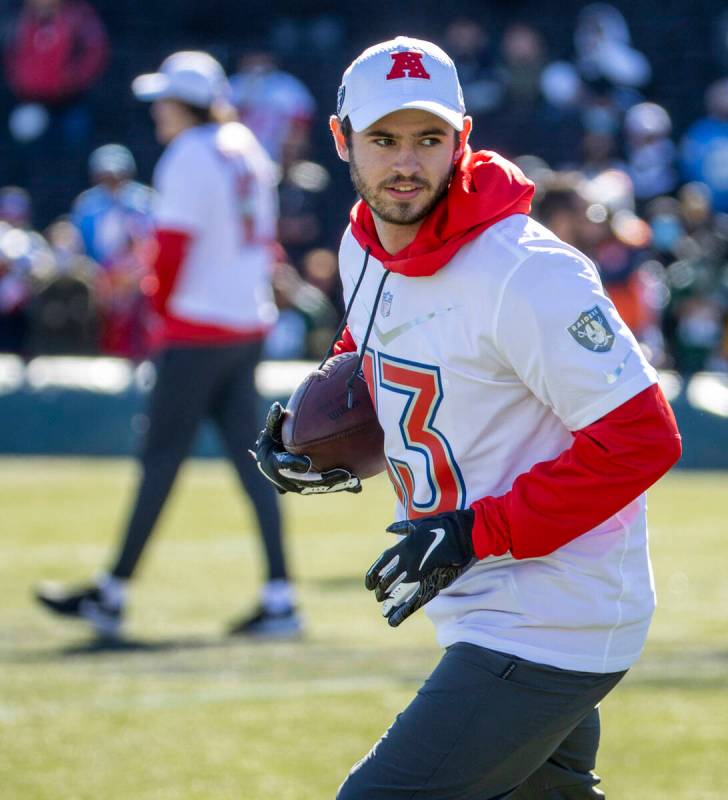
(195, 382)
(487, 725)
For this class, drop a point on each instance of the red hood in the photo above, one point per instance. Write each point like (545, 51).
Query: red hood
(484, 190)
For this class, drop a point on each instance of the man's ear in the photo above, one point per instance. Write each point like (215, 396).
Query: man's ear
(463, 137)
(339, 139)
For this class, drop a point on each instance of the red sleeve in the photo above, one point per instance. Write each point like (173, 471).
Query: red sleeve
(346, 344)
(609, 464)
(172, 247)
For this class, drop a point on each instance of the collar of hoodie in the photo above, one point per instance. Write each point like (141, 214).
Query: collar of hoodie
(485, 189)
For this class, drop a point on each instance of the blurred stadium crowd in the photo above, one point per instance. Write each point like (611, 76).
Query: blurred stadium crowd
(625, 170)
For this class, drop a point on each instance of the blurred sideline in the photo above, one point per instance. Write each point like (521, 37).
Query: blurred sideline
(94, 406)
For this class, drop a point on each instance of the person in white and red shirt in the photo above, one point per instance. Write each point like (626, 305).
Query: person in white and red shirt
(215, 215)
(522, 427)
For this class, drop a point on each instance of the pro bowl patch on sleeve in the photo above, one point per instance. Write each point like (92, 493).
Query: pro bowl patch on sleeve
(591, 330)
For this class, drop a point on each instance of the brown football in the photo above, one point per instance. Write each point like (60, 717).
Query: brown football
(320, 425)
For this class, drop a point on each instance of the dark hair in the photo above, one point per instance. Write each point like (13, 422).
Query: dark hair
(346, 129)
(218, 112)
(561, 193)
(202, 115)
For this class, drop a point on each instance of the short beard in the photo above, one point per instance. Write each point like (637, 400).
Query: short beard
(405, 216)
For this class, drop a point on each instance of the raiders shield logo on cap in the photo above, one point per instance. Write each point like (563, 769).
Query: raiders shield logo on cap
(591, 330)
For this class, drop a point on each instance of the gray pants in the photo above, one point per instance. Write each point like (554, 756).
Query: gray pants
(195, 382)
(484, 726)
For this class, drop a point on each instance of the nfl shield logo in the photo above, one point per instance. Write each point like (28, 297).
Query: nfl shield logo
(591, 330)
(386, 303)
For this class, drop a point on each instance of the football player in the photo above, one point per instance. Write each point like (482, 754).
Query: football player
(522, 427)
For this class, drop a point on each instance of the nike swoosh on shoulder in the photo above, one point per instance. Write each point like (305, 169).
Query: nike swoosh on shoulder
(439, 536)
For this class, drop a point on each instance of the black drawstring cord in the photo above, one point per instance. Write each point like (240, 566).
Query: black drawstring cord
(341, 327)
(362, 350)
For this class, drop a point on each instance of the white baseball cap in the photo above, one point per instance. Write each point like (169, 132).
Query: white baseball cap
(401, 73)
(190, 76)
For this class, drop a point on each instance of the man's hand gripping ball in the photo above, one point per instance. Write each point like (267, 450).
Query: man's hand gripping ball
(434, 552)
(293, 473)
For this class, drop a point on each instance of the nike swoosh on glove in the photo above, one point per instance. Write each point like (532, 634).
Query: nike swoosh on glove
(292, 473)
(434, 552)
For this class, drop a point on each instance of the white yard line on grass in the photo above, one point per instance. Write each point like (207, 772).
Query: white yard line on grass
(261, 692)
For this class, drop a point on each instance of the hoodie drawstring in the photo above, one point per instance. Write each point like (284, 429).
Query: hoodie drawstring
(342, 325)
(365, 341)
(345, 318)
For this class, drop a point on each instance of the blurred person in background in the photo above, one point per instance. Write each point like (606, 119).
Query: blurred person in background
(216, 216)
(562, 93)
(605, 78)
(116, 210)
(16, 247)
(27, 263)
(321, 269)
(520, 128)
(303, 199)
(16, 207)
(561, 206)
(667, 226)
(65, 317)
(706, 229)
(471, 47)
(307, 319)
(651, 153)
(604, 56)
(47, 286)
(704, 147)
(114, 218)
(55, 51)
(692, 244)
(599, 145)
(275, 105)
(696, 320)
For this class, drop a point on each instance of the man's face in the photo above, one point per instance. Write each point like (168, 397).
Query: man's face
(402, 164)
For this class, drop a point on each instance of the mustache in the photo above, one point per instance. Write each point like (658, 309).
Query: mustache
(397, 180)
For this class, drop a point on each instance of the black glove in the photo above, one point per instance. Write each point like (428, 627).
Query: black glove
(291, 473)
(434, 552)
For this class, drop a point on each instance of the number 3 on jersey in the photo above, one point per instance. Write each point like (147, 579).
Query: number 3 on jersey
(421, 385)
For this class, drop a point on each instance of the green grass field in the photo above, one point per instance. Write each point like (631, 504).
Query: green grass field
(189, 715)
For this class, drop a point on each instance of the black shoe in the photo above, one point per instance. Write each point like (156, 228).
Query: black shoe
(87, 603)
(281, 625)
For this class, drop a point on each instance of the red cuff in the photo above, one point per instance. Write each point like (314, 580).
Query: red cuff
(609, 464)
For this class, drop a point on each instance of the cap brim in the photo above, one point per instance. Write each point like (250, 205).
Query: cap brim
(150, 87)
(367, 115)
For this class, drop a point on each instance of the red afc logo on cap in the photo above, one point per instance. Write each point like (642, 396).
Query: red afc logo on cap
(407, 65)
